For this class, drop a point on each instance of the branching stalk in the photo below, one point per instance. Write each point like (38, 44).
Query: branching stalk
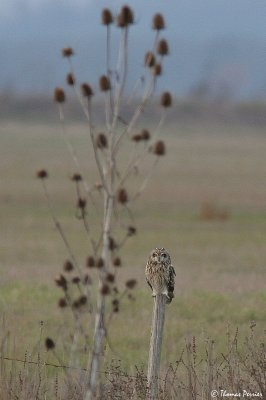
(146, 180)
(147, 93)
(112, 179)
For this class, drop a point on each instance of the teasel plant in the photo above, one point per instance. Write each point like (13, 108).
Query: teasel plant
(117, 197)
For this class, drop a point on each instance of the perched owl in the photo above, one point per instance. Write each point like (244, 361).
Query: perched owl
(160, 274)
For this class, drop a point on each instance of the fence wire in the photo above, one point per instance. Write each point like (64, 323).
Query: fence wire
(46, 364)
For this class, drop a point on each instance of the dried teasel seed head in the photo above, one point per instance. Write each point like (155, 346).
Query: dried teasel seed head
(112, 244)
(68, 266)
(82, 300)
(101, 141)
(122, 196)
(42, 174)
(87, 280)
(157, 70)
(131, 230)
(67, 52)
(49, 344)
(62, 303)
(131, 283)
(105, 289)
(86, 90)
(90, 262)
(117, 262)
(59, 95)
(115, 302)
(110, 278)
(100, 263)
(61, 282)
(81, 203)
(158, 22)
(128, 14)
(76, 177)
(104, 83)
(76, 280)
(125, 17)
(166, 99)
(149, 60)
(136, 138)
(162, 47)
(159, 148)
(70, 79)
(145, 134)
(107, 17)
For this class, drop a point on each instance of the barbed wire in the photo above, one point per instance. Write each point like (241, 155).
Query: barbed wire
(42, 363)
(46, 364)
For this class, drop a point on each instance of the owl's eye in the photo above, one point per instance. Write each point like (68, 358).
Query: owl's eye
(164, 255)
(153, 254)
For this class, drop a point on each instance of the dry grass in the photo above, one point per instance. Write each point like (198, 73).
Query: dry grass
(220, 264)
(197, 372)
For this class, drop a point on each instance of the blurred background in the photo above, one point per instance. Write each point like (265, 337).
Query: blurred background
(207, 201)
(218, 48)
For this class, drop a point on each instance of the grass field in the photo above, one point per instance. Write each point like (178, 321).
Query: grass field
(220, 265)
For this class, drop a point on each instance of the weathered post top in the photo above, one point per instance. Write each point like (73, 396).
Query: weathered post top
(160, 277)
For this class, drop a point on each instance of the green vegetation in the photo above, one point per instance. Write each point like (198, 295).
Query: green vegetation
(220, 264)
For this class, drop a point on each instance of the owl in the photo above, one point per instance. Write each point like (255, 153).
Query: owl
(160, 274)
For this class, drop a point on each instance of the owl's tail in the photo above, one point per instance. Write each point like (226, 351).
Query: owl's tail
(170, 297)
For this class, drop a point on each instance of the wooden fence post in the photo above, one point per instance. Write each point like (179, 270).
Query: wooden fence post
(155, 346)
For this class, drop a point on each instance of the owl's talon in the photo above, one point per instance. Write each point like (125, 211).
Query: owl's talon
(169, 297)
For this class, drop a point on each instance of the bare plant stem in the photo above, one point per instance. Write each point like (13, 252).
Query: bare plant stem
(156, 41)
(108, 51)
(85, 109)
(100, 331)
(146, 180)
(108, 176)
(122, 295)
(109, 71)
(135, 89)
(137, 157)
(59, 228)
(147, 94)
(73, 350)
(71, 149)
(159, 126)
(96, 154)
(87, 113)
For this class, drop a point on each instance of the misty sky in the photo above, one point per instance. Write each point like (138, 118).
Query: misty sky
(32, 32)
(186, 17)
